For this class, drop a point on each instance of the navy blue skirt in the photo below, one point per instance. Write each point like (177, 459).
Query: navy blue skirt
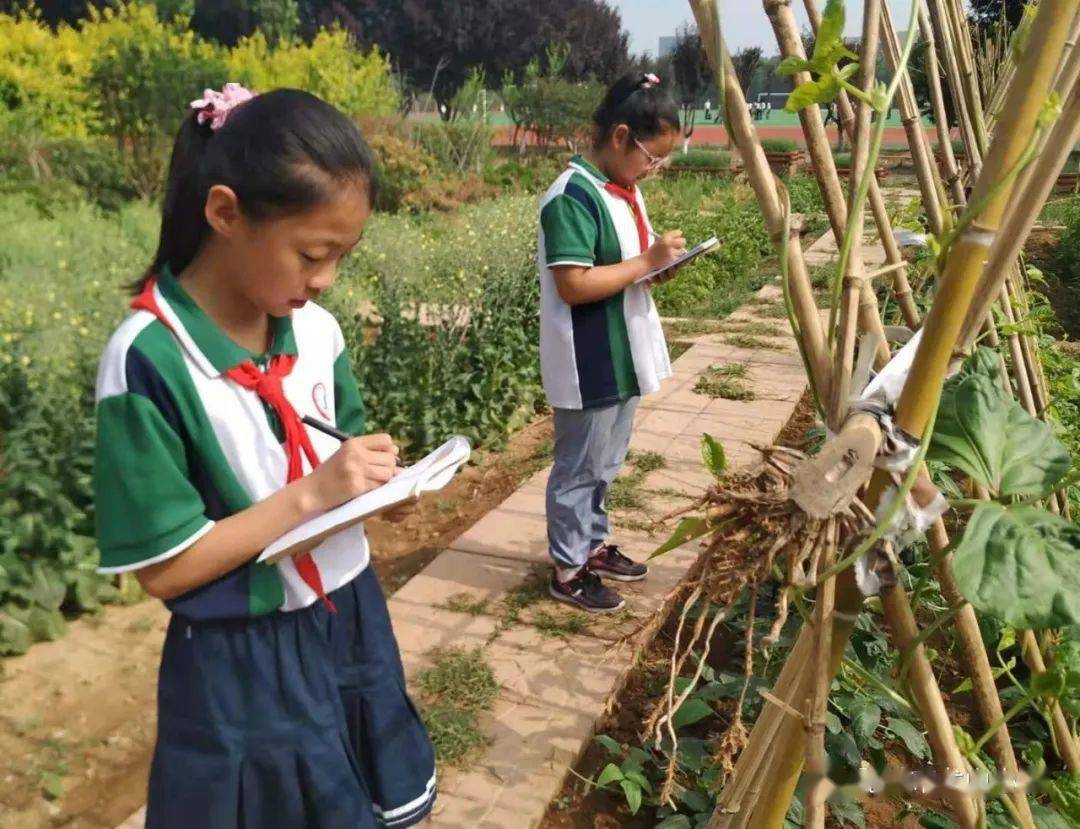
(289, 720)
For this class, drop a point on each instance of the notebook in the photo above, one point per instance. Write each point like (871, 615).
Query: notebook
(693, 253)
(430, 474)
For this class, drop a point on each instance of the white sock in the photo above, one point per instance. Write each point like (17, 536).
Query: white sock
(564, 574)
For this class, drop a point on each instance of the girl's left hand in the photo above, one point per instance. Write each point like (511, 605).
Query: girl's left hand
(395, 515)
(666, 276)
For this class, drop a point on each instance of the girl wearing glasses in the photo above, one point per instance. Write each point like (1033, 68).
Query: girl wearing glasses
(601, 344)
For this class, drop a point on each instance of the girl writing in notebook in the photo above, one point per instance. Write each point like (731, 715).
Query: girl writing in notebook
(601, 345)
(281, 695)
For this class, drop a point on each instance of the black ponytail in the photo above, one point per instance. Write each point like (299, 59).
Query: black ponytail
(281, 152)
(640, 103)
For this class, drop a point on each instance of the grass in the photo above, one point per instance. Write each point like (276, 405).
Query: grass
(646, 462)
(530, 591)
(625, 492)
(759, 329)
(691, 327)
(560, 625)
(466, 603)
(772, 310)
(452, 692)
(748, 341)
(725, 381)
(677, 348)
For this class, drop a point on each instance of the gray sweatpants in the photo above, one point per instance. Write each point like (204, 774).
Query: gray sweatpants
(590, 447)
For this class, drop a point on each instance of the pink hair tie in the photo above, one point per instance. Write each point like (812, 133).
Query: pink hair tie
(215, 106)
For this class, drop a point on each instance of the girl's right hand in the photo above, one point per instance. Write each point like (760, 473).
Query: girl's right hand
(360, 464)
(665, 249)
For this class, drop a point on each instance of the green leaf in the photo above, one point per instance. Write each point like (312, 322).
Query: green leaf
(637, 775)
(847, 71)
(610, 774)
(633, 795)
(821, 91)
(1061, 680)
(48, 625)
(690, 712)
(967, 685)
(865, 717)
(911, 736)
(996, 442)
(1021, 565)
(830, 33)
(52, 785)
(674, 822)
(1047, 818)
(611, 745)
(687, 530)
(47, 587)
(15, 636)
(1064, 792)
(713, 454)
(696, 800)
(932, 820)
(792, 64)
(832, 723)
(879, 97)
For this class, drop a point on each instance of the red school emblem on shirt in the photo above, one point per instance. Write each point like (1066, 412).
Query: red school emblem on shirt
(318, 397)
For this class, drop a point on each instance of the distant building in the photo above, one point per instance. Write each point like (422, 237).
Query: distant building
(667, 45)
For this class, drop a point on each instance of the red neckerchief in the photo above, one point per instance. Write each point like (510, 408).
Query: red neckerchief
(630, 197)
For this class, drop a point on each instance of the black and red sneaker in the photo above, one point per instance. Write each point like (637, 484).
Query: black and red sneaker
(585, 590)
(612, 564)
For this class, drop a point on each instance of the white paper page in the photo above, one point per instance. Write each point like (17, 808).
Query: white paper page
(429, 474)
(694, 252)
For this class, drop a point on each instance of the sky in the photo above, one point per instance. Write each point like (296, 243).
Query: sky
(744, 22)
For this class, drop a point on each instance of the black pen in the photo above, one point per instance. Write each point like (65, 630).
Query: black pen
(327, 429)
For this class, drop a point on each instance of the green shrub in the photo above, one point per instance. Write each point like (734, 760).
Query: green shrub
(778, 145)
(712, 159)
(330, 66)
(478, 376)
(556, 110)
(403, 168)
(530, 173)
(842, 160)
(703, 206)
(142, 80)
(41, 76)
(1065, 259)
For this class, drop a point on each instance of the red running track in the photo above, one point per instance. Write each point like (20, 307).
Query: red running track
(718, 134)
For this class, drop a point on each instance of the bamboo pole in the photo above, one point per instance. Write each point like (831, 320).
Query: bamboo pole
(977, 661)
(901, 288)
(1064, 742)
(744, 137)
(941, 118)
(1033, 188)
(949, 60)
(816, 759)
(941, 327)
(925, 170)
(817, 144)
(855, 280)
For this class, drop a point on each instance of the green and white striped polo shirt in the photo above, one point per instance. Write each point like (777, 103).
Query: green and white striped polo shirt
(603, 352)
(179, 447)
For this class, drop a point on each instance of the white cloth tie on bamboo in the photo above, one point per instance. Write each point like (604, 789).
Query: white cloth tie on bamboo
(896, 455)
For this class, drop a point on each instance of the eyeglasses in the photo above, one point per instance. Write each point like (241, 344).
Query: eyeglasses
(655, 162)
